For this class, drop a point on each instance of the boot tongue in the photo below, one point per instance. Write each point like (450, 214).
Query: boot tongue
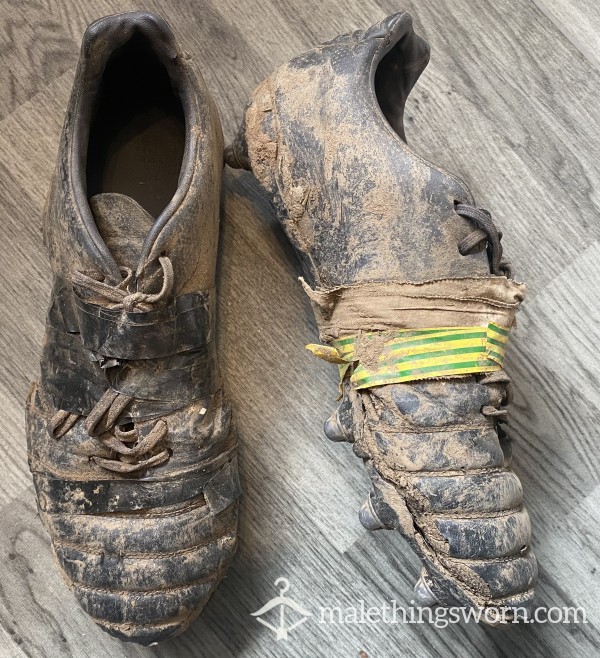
(123, 225)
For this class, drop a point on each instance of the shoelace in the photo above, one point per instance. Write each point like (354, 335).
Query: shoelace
(486, 232)
(131, 447)
(119, 295)
(498, 377)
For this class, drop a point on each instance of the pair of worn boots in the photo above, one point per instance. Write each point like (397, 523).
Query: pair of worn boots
(129, 433)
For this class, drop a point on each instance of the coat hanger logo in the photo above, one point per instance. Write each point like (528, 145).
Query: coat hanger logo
(285, 605)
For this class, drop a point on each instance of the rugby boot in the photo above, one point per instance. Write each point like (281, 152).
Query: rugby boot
(129, 434)
(413, 302)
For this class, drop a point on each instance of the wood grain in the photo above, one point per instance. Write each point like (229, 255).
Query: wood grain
(35, 47)
(510, 103)
(579, 21)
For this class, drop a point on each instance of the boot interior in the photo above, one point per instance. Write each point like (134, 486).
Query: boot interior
(137, 132)
(395, 76)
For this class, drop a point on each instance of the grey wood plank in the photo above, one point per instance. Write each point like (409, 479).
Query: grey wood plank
(280, 395)
(35, 48)
(28, 142)
(492, 107)
(577, 536)
(556, 372)
(579, 21)
(76, 16)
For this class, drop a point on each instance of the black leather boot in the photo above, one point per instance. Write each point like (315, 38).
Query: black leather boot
(129, 435)
(413, 302)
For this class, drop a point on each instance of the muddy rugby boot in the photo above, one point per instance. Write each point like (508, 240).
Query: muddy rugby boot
(129, 435)
(413, 302)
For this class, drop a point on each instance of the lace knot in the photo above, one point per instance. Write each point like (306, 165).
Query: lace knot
(134, 452)
(487, 232)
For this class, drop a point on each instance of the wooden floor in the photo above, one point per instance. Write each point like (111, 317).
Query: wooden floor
(511, 103)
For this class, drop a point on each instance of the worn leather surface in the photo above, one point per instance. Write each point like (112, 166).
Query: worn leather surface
(324, 136)
(142, 551)
(70, 232)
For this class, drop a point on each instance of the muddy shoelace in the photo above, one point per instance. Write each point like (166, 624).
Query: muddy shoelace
(135, 452)
(486, 232)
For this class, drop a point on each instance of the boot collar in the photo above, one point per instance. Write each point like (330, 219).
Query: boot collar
(101, 40)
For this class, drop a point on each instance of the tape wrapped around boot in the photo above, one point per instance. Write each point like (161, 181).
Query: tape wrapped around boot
(77, 376)
(75, 379)
(393, 332)
(218, 482)
(406, 355)
(186, 324)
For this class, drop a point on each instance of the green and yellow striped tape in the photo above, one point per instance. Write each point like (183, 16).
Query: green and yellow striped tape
(412, 354)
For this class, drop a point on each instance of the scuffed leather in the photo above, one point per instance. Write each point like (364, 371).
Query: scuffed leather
(70, 232)
(142, 552)
(324, 136)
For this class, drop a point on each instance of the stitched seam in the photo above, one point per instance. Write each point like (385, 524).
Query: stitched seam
(130, 516)
(495, 560)
(458, 514)
(146, 592)
(520, 595)
(128, 624)
(141, 555)
(199, 504)
(427, 430)
(454, 473)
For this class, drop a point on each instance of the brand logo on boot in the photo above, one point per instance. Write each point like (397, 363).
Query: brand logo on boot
(287, 611)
